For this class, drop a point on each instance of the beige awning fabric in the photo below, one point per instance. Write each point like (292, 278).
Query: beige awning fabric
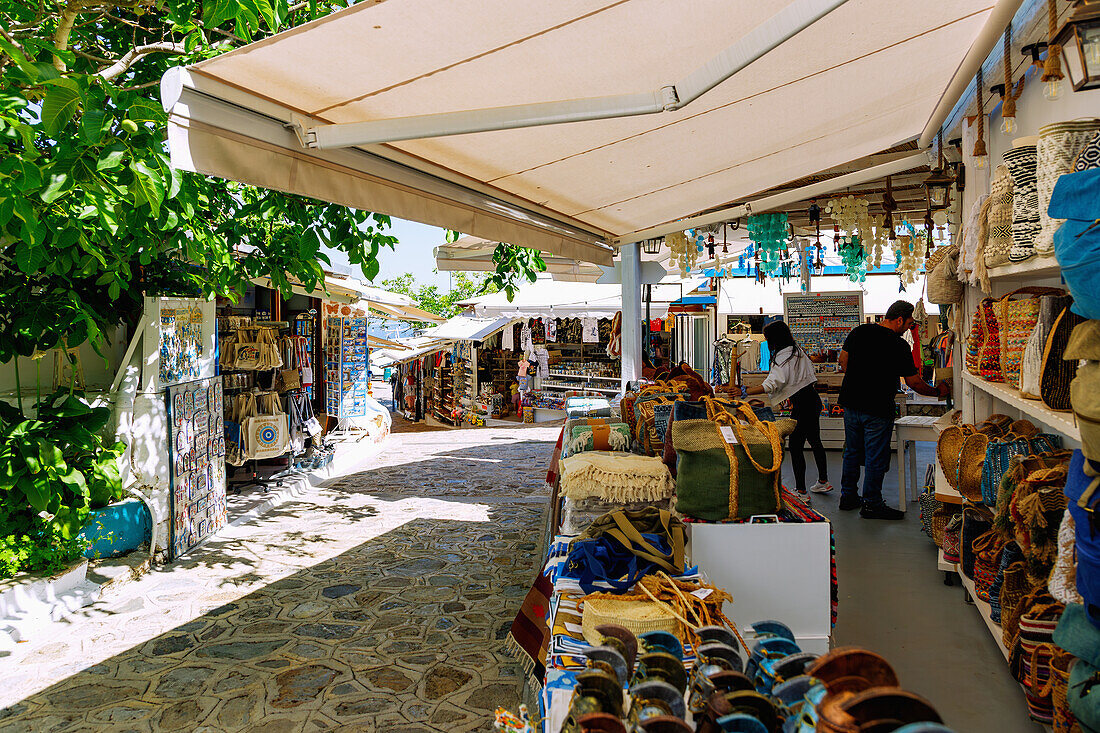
(862, 79)
(346, 291)
(405, 313)
(379, 342)
(473, 254)
(337, 292)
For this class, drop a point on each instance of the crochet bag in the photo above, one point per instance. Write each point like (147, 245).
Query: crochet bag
(987, 549)
(727, 469)
(952, 539)
(1032, 650)
(1063, 578)
(975, 339)
(989, 353)
(941, 517)
(999, 453)
(1059, 145)
(1084, 343)
(1031, 363)
(1015, 588)
(999, 243)
(1058, 373)
(1010, 554)
(928, 502)
(1016, 319)
(1037, 507)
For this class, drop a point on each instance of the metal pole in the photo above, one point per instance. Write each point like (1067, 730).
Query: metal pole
(645, 326)
(632, 312)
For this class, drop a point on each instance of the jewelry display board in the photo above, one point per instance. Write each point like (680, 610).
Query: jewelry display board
(346, 363)
(821, 321)
(196, 459)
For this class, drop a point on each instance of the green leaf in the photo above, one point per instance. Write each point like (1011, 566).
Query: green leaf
(216, 12)
(148, 186)
(58, 185)
(146, 110)
(58, 107)
(111, 157)
(94, 124)
(49, 454)
(28, 176)
(36, 492)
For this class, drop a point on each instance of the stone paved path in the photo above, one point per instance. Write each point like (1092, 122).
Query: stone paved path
(377, 604)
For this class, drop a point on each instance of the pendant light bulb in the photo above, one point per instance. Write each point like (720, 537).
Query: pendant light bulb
(1008, 125)
(981, 162)
(1052, 90)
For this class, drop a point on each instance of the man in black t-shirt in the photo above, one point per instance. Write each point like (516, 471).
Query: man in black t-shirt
(873, 359)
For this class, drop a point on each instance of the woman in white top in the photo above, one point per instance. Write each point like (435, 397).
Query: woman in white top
(792, 377)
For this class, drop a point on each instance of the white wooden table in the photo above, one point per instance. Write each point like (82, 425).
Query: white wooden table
(910, 430)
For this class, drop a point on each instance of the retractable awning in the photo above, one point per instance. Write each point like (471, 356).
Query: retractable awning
(860, 79)
(464, 328)
(354, 294)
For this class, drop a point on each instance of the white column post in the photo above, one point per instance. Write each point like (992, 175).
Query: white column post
(632, 312)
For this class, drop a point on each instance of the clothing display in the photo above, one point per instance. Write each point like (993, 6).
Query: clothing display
(590, 333)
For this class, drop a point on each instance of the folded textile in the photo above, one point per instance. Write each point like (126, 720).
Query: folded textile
(578, 514)
(615, 476)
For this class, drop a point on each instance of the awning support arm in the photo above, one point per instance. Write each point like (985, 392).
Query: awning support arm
(770, 34)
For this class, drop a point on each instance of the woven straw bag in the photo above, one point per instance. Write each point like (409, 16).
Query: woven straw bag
(637, 615)
(940, 519)
(948, 449)
(1016, 319)
(999, 243)
(971, 458)
(1059, 145)
(1015, 588)
(1031, 363)
(1064, 720)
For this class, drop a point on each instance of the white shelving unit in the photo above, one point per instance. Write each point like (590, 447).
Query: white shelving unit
(1035, 410)
(1038, 267)
(584, 376)
(589, 387)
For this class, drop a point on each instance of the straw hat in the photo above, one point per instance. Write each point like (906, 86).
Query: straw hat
(639, 616)
(971, 460)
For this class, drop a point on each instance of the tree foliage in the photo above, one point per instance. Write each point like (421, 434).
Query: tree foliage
(434, 300)
(92, 215)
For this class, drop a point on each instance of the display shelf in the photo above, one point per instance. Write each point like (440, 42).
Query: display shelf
(985, 611)
(551, 385)
(583, 376)
(944, 565)
(1035, 267)
(1059, 422)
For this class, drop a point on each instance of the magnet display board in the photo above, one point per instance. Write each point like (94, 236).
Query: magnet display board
(196, 459)
(347, 360)
(773, 571)
(821, 321)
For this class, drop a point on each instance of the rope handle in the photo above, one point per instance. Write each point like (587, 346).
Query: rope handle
(768, 430)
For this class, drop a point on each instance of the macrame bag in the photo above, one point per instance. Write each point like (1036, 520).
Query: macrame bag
(999, 244)
(1059, 145)
(944, 287)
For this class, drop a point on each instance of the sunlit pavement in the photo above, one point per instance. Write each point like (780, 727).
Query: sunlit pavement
(378, 603)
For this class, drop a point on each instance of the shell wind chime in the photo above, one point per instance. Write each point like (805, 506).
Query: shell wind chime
(684, 252)
(769, 233)
(909, 255)
(852, 216)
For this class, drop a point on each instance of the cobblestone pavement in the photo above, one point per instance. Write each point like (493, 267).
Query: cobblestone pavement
(379, 603)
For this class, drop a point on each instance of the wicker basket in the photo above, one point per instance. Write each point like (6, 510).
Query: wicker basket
(637, 615)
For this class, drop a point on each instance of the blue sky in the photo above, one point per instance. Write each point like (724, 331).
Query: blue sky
(413, 253)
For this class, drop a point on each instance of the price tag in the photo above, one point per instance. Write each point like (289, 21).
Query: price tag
(702, 593)
(728, 435)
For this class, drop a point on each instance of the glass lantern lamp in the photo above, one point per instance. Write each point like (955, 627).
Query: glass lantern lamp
(652, 246)
(1080, 41)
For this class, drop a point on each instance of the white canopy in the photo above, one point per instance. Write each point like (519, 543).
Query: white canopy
(863, 78)
(555, 299)
(745, 297)
(464, 328)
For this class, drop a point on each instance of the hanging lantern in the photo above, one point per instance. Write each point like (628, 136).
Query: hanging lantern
(938, 184)
(1080, 42)
(652, 246)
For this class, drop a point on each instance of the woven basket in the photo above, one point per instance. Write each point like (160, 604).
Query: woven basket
(1023, 428)
(940, 519)
(971, 461)
(1014, 589)
(638, 616)
(1060, 664)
